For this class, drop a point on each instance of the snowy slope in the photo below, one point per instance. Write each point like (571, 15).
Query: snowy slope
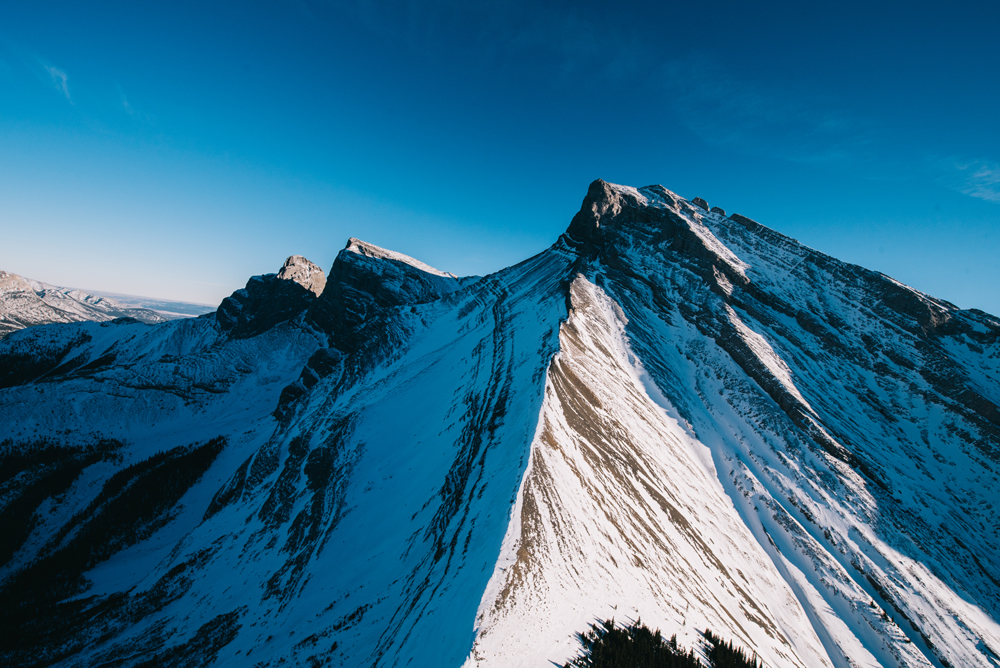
(150, 387)
(814, 397)
(621, 514)
(670, 415)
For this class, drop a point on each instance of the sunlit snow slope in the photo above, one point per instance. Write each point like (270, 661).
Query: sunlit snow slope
(670, 415)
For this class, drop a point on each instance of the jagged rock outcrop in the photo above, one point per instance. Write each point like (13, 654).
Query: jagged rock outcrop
(364, 278)
(303, 272)
(366, 283)
(271, 299)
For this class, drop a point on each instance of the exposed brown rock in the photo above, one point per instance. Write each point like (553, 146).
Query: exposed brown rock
(305, 273)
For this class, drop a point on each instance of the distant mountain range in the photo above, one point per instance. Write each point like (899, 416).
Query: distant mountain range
(166, 307)
(25, 302)
(671, 415)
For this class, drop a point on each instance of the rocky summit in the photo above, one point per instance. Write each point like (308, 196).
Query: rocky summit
(671, 415)
(305, 273)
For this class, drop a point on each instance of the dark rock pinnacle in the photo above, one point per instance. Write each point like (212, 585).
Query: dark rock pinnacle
(601, 201)
(271, 299)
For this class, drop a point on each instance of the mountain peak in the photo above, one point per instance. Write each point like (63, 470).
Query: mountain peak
(10, 281)
(366, 249)
(303, 272)
(602, 200)
(605, 203)
(271, 299)
(366, 277)
(669, 415)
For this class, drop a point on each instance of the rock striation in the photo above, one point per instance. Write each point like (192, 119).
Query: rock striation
(366, 284)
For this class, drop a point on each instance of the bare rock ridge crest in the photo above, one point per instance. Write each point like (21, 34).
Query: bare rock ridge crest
(671, 415)
(303, 272)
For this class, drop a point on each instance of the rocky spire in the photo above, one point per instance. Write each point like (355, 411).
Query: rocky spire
(601, 201)
(305, 273)
(271, 299)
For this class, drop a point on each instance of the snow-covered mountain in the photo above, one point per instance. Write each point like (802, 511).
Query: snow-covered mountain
(27, 303)
(670, 415)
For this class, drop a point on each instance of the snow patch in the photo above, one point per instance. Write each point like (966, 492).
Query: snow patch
(371, 250)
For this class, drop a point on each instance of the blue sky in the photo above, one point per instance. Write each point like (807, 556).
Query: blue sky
(174, 150)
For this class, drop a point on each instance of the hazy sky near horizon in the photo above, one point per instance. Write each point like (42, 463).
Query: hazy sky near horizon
(174, 150)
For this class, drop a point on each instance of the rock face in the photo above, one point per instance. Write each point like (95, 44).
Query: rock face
(365, 278)
(303, 272)
(367, 284)
(271, 299)
(669, 415)
(28, 303)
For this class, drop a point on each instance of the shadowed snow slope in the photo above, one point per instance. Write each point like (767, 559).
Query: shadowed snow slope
(669, 415)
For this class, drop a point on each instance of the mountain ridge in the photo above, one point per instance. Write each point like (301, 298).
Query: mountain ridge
(669, 414)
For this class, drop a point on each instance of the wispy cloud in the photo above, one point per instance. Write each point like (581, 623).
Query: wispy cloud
(763, 119)
(975, 178)
(59, 79)
(796, 121)
(809, 127)
(125, 103)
